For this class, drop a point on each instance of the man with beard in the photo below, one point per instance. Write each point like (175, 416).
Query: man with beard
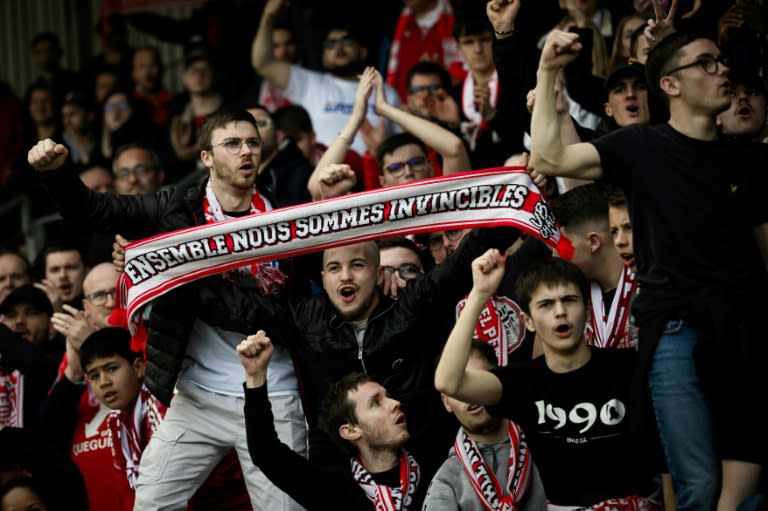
(205, 418)
(284, 170)
(329, 96)
(488, 442)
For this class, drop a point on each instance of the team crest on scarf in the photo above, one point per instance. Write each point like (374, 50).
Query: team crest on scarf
(386, 498)
(500, 325)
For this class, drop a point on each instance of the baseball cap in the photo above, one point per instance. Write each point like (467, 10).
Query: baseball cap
(195, 53)
(27, 294)
(628, 68)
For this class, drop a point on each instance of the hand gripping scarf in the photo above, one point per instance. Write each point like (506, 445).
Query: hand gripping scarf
(386, 498)
(490, 492)
(482, 198)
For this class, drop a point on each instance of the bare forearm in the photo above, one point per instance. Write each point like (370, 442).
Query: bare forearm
(261, 49)
(451, 377)
(450, 147)
(545, 126)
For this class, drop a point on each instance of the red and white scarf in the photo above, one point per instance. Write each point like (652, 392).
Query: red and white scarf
(476, 124)
(610, 329)
(406, 24)
(487, 487)
(630, 503)
(386, 498)
(132, 431)
(482, 198)
(500, 325)
(12, 398)
(268, 278)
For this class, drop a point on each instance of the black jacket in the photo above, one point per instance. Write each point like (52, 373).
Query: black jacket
(402, 340)
(137, 217)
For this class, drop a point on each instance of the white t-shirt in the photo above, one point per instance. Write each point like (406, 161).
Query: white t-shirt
(330, 100)
(211, 363)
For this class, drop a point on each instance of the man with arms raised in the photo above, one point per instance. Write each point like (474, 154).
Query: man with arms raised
(694, 293)
(361, 417)
(204, 420)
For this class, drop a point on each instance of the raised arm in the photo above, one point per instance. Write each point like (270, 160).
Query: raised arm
(452, 377)
(450, 146)
(552, 156)
(277, 72)
(330, 178)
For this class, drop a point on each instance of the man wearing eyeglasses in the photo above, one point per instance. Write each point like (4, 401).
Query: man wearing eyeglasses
(683, 183)
(136, 170)
(185, 354)
(328, 96)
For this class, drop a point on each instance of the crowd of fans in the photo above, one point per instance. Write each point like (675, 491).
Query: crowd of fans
(455, 369)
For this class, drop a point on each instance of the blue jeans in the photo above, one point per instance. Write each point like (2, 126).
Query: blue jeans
(683, 410)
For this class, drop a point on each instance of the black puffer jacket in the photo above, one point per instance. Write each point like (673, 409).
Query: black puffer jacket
(136, 217)
(402, 341)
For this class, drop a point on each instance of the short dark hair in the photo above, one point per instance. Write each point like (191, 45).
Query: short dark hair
(470, 23)
(25, 482)
(337, 409)
(550, 271)
(427, 67)
(617, 199)
(46, 36)
(291, 119)
(107, 342)
(580, 205)
(398, 242)
(485, 351)
(137, 145)
(219, 119)
(664, 56)
(394, 142)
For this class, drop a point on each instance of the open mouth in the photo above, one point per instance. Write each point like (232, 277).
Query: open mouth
(563, 330)
(400, 420)
(348, 293)
(744, 111)
(110, 396)
(475, 409)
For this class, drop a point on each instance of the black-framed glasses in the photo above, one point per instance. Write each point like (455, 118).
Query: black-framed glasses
(406, 271)
(708, 63)
(435, 239)
(417, 164)
(431, 88)
(330, 44)
(140, 170)
(233, 145)
(100, 297)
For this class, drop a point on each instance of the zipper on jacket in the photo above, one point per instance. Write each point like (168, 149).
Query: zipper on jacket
(360, 358)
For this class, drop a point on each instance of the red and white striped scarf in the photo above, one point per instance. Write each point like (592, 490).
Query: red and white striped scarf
(268, 278)
(476, 124)
(487, 487)
(610, 329)
(12, 398)
(629, 503)
(481, 198)
(500, 325)
(406, 25)
(132, 431)
(386, 498)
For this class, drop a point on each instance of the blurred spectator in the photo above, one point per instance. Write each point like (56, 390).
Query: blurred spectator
(424, 32)
(284, 50)
(136, 170)
(46, 55)
(621, 43)
(104, 81)
(79, 131)
(745, 118)
(147, 75)
(98, 178)
(14, 272)
(189, 108)
(11, 137)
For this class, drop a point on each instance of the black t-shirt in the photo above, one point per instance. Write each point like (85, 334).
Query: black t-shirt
(577, 426)
(692, 204)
